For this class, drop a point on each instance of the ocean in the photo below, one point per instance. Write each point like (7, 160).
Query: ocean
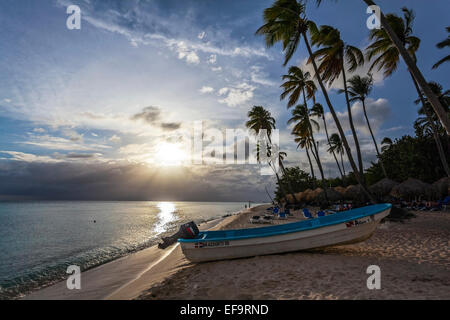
(39, 240)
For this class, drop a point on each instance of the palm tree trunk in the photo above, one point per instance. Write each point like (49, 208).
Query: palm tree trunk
(336, 120)
(417, 75)
(288, 180)
(332, 151)
(319, 163)
(352, 126)
(342, 162)
(373, 138)
(310, 164)
(434, 129)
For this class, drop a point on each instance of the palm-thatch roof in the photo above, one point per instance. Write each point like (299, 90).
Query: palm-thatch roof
(340, 189)
(411, 188)
(307, 195)
(355, 192)
(382, 187)
(441, 188)
(332, 196)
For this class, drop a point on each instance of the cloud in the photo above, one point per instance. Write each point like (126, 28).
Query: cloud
(212, 59)
(170, 126)
(201, 35)
(184, 52)
(378, 112)
(60, 143)
(100, 180)
(259, 77)
(237, 95)
(206, 89)
(115, 139)
(216, 69)
(148, 114)
(39, 130)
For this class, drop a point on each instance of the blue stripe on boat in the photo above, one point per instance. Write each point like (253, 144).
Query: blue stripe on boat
(337, 218)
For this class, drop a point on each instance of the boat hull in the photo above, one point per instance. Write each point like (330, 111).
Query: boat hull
(351, 231)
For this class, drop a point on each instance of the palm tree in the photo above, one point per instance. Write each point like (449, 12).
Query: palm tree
(411, 63)
(359, 89)
(388, 58)
(317, 111)
(261, 119)
(285, 21)
(429, 124)
(297, 83)
(386, 143)
(441, 45)
(304, 128)
(337, 146)
(332, 54)
(304, 142)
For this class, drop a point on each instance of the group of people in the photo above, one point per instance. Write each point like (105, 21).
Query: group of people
(424, 205)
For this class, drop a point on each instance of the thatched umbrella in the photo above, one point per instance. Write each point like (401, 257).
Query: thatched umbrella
(382, 187)
(332, 196)
(411, 188)
(340, 189)
(315, 193)
(441, 188)
(307, 195)
(355, 192)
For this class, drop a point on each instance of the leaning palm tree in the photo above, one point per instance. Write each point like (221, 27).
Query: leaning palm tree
(441, 45)
(297, 83)
(261, 119)
(399, 46)
(359, 89)
(388, 58)
(333, 54)
(303, 127)
(286, 22)
(317, 111)
(336, 146)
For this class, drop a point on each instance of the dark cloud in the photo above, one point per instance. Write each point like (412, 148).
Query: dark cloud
(148, 114)
(125, 181)
(170, 126)
(81, 155)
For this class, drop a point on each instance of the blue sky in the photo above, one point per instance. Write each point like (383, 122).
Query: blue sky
(138, 73)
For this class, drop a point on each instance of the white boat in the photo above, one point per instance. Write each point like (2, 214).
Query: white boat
(336, 229)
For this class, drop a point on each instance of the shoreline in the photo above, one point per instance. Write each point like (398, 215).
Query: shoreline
(108, 280)
(413, 256)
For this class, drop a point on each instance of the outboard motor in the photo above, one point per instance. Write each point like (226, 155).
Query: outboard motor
(187, 231)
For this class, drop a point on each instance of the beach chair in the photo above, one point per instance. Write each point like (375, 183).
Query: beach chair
(282, 215)
(267, 219)
(321, 213)
(307, 214)
(255, 219)
(275, 210)
(446, 202)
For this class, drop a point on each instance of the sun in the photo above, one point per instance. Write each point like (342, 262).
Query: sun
(169, 154)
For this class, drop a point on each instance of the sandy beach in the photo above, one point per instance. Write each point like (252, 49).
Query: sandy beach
(413, 256)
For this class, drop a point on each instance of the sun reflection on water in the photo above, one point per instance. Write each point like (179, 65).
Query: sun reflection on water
(166, 215)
